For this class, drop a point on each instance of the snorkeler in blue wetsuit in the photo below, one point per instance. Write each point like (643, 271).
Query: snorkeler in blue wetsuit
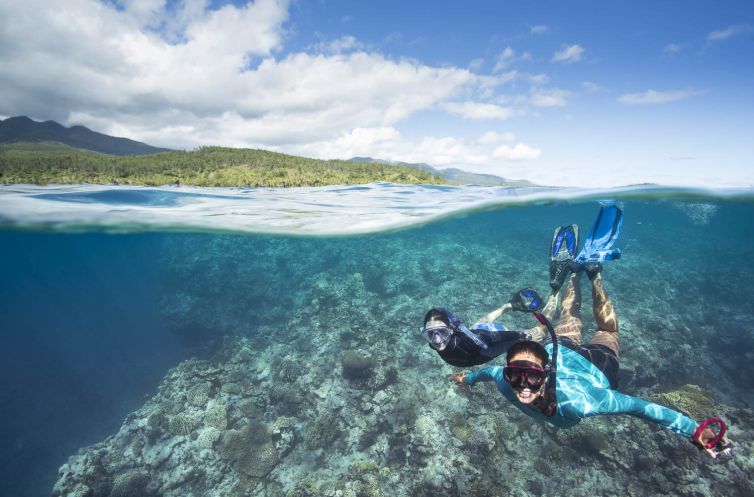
(582, 381)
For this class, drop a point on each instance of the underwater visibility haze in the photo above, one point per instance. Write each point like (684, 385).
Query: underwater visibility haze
(223, 353)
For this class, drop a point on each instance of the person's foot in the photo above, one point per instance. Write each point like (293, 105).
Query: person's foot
(592, 269)
(558, 272)
(562, 250)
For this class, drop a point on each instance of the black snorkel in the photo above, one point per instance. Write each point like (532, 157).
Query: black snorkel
(528, 300)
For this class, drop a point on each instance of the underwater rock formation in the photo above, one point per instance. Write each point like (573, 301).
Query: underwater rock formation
(320, 386)
(357, 366)
(250, 449)
(691, 400)
(347, 442)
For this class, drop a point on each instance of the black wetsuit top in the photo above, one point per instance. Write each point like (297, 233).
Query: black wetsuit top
(461, 350)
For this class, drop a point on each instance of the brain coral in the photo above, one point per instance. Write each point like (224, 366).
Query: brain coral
(250, 450)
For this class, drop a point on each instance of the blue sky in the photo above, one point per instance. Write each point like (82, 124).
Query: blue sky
(581, 93)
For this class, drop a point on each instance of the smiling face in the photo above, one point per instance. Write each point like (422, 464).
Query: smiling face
(525, 394)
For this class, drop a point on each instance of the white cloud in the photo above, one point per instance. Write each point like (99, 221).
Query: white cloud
(507, 57)
(538, 79)
(553, 97)
(539, 29)
(504, 59)
(729, 32)
(147, 12)
(339, 45)
(387, 142)
(476, 64)
(672, 48)
(519, 152)
(364, 138)
(475, 110)
(220, 84)
(569, 54)
(492, 137)
(591, 87)
(650, 97)
(220, 76)
(482, 155)
(503, 78)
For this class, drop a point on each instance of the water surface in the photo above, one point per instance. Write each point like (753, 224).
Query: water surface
(94, 320)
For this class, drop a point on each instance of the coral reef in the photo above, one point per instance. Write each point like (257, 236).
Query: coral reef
(250, 449)
(318, 384)
(357, 366)
(355, 443)
(322, 432)
(692, 400)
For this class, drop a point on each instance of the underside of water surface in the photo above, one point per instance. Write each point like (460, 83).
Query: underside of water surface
(293, 366)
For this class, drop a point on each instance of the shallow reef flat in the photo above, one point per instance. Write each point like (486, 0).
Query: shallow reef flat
(250, 423)
(312, 379)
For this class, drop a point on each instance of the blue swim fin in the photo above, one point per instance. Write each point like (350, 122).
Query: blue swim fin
(565, 241)
(598, 245)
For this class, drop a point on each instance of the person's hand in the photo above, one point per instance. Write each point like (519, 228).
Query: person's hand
(459, 378)
(724, 448)
(705, 436)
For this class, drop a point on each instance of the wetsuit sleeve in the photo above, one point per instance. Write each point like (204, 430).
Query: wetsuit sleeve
(493, 336)
(606, 401)
(492, 373)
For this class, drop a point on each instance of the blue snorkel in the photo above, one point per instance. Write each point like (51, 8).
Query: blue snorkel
(455, 322)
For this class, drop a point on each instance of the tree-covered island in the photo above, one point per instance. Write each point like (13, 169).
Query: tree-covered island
(48, 162)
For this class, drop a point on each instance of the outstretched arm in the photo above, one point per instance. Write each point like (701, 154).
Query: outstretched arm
(615, 402)
(606, 401)
(491, 373)
(492, 316)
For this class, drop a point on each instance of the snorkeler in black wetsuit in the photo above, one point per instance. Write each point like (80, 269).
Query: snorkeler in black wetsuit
(463, 347)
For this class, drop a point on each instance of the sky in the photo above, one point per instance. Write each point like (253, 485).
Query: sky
(577, 93)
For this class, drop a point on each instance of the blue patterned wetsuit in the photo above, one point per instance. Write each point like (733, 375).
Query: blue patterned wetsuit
(582, 391)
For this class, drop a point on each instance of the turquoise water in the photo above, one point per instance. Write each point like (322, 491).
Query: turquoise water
(93, 322)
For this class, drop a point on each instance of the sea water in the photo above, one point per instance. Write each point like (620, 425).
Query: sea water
(105, 289)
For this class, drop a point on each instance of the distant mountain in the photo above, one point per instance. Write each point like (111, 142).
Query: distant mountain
(23, 129)
(452, 174)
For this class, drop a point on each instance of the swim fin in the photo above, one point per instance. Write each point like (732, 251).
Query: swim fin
(565, 240)
(598, 246)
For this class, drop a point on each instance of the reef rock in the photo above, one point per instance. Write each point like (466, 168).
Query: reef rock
(342, 398)
(250, 450)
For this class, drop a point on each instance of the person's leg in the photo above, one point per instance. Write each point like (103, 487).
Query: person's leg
(569, 324)
(605, 316)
